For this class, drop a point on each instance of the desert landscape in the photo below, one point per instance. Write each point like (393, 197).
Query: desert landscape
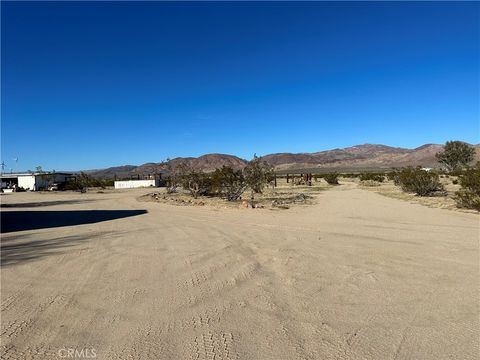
(240, 180)
(376, 157)
(351, 275)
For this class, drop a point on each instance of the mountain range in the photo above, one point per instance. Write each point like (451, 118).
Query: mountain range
(354, 158)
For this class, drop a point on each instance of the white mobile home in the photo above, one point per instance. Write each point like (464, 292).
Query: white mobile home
(32, 181)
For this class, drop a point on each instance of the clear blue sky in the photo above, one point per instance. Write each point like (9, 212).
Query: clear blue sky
(91, 85)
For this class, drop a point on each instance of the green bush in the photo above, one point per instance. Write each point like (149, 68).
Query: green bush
(469, 194)
(418, 181)
(331, 178)
(372, 176)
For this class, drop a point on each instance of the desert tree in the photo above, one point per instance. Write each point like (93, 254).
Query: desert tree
(258, 173)
(196, 182)
(456, 154)
(228, 183)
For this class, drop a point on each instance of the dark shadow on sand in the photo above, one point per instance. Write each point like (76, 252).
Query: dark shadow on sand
(32, 220)
(15, 251)
(21, 248)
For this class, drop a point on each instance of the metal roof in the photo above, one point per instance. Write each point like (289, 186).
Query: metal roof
(9, 175)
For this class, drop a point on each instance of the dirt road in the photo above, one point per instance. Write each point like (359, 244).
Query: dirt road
(357, 276)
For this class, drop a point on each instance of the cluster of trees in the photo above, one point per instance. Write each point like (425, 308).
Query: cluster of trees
(456, 158)
(225, 182)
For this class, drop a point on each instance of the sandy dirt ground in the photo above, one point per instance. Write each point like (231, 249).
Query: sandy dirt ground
(357, 275)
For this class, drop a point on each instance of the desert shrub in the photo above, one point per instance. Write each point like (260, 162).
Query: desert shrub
(82, 181)
(228, 183)
(372, 176)
(469, 194)
(331, 178)
(455, 181)
(258, 173)
(418, 181)
(197, 183)
(456, 154)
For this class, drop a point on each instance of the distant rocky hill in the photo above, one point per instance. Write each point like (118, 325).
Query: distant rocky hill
(366, 156)
(206, 163)
(335, 157)
(210, 162)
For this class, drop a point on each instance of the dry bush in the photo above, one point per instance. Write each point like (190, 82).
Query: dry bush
(82, 181)
(331, 178)
(469, 194)
(228, 183)
(197, 183)
(258, 173)
(418, 181)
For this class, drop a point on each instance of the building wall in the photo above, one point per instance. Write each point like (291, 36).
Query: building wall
(38, 182)
(130, 184)
(27, 182)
